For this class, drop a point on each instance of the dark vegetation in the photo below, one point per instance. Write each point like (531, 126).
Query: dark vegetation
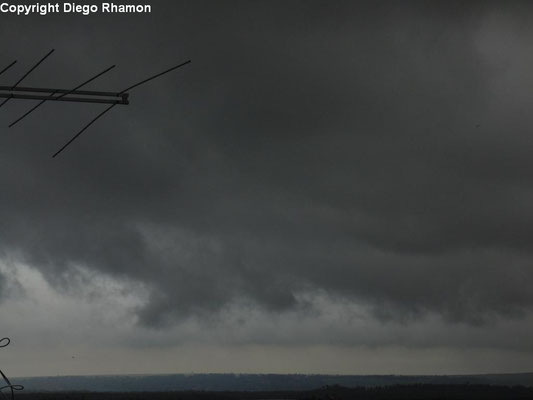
(254, 382)
(396, 392)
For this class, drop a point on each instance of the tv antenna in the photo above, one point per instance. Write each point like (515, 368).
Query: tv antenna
(75, 95)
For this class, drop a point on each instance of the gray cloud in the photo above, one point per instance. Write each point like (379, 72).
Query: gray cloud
(2, 286)
(378, 153)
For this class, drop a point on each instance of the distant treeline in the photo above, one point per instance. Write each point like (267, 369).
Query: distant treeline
(396, 392)
(254, 382)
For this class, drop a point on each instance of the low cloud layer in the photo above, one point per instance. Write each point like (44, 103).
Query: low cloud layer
(377, 155)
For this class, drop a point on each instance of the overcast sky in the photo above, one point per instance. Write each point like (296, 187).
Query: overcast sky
(329, 187)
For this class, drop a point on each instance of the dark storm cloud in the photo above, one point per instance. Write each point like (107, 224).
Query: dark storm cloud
(3, 286)
(367, 150)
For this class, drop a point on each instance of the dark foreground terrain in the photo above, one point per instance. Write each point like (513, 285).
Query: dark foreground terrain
(253, 382)
(420, 391)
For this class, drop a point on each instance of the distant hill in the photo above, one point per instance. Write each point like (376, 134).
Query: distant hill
(253, 382)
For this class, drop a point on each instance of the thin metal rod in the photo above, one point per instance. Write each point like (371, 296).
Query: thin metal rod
(72, 99)
(82, 130)
(61, 96)
(88, 81)
(25, 75)
(9, 66)
(30, 111)
(32, 68)
(155, 76)
(6, 100)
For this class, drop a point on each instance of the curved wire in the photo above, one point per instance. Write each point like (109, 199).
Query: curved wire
(12, 388)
